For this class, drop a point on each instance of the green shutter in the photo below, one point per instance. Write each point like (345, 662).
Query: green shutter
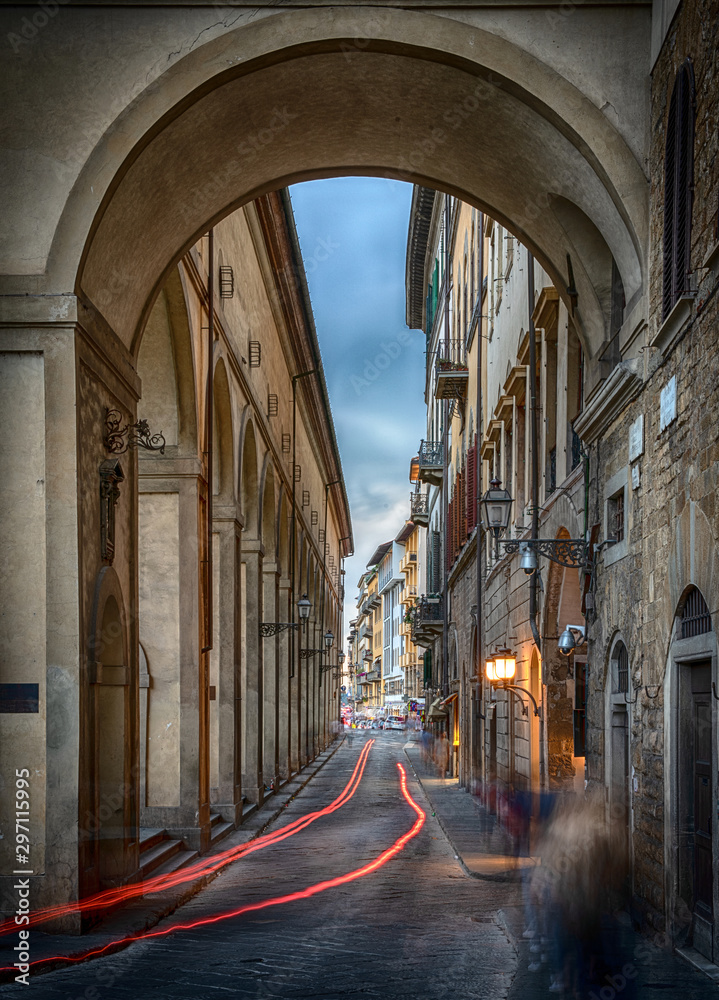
(427, 667)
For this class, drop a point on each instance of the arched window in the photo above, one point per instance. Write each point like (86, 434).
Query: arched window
(678, 188)
(620, 669)
(695, 616)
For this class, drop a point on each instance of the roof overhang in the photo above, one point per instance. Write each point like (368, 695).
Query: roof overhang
(420, 218)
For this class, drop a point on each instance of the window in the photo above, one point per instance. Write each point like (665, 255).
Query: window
(695, 619)
(616, 516)
(620, 663)
(678, 188)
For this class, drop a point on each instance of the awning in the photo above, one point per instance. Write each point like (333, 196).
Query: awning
(448, 701)
(436, 711)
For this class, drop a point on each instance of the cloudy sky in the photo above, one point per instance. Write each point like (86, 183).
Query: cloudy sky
(353, 234)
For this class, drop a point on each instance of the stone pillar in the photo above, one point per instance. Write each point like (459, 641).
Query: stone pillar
(284, 689)
(170, 599)
(252, 765)
(271, 677)
(225, 695)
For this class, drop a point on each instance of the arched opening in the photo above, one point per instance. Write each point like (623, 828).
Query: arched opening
(107, 842)
(694, 756)
(618, 709)
(252, 598)
(566, 680)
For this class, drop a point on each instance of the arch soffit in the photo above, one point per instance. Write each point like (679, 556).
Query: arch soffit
(248, 480)
(268, 506)
(548, 99)
(224, 423)
(175, 294)
(693, 561)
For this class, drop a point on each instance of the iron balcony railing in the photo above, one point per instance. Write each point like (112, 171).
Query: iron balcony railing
(419, 510)
(451, 351)
(430, 454)
(427, 618)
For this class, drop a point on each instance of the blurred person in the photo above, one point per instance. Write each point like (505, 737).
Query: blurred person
(441, 754)
(576, 891)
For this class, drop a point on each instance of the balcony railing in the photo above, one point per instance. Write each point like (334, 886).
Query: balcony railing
(430, 461)
(427, 619)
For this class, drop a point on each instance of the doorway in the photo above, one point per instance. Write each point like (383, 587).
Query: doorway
(695, 784)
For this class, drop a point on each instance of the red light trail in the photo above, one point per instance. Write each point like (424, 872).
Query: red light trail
(206, 866)
(292, 897)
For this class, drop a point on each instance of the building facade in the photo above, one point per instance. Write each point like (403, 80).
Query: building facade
(611, 460)
(200, 527)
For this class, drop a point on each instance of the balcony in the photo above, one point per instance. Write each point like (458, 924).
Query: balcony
(365, 632)
(427, 619)
(451, 374)
(419, 509)
(373, 676)
(429, 463)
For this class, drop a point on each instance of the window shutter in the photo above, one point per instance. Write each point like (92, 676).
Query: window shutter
(471, 489)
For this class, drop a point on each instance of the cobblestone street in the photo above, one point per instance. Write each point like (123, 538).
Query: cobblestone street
(419, 918)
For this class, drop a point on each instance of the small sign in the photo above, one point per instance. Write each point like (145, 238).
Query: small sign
(668, 403)
(635, 476)
(23, 698)
(636, 438)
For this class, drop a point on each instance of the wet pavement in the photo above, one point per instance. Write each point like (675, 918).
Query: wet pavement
(439, 916)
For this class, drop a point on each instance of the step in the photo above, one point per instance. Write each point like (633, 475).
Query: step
(180, 860)
(158, 855)
(150, 837)
(219, 830)
(248, 808)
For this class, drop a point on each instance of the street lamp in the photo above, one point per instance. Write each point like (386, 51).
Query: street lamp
(501, 669)
(496, 508)
(304, 606)
(341, 658)
(329, 639)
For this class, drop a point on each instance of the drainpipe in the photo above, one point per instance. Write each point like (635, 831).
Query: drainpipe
(209, 433)
(478, 483)
(534, 451)
(445, 460)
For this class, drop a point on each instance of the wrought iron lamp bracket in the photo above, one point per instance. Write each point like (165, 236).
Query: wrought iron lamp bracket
(570, 552)
(118, 438)
(633, 701)
(305, 654)
(268, 629)
(521, 690)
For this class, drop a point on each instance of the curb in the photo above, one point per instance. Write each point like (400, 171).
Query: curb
(511, 875)
(177, 899)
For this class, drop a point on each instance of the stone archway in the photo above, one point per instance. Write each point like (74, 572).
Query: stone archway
(407, 94)
(262, 102)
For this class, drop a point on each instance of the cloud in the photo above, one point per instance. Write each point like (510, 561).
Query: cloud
(375, 367)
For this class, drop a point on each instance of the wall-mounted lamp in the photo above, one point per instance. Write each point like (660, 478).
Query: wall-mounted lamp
(304, 606)
(500, 670)
(567, 641)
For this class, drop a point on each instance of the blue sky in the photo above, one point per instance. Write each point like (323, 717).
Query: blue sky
(353, 235)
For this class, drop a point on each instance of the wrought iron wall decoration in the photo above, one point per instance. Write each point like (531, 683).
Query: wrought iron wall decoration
(118, 438)
(111, 475)
(571, 552)
(268, 629)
